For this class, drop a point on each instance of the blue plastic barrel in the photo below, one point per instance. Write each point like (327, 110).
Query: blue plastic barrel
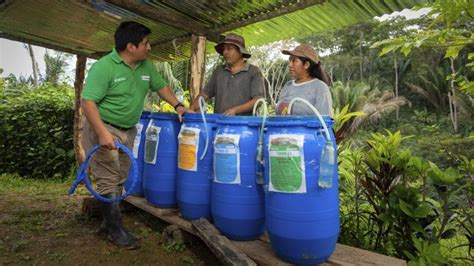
(194, 174)
(302, 224)
(138, 147)
(237, 199)
(159, 156)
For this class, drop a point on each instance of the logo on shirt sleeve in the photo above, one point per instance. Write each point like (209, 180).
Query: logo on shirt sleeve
(147, 78)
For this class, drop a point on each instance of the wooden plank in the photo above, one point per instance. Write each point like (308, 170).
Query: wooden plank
(222, 247)
(357, 256)
(260, 250)
(171, 216)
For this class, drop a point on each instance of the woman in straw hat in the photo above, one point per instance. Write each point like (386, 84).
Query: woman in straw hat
(310, 82)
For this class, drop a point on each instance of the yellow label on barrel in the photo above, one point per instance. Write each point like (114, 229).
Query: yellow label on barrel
(188, 148)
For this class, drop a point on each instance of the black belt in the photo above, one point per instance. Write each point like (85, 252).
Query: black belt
(117, 127)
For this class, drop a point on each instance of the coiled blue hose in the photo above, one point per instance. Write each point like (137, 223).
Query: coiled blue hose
(82, 176)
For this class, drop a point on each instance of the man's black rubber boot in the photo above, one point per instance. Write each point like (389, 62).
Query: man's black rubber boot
(113, 222)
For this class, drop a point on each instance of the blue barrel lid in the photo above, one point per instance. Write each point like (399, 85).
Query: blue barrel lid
(298, 120)
(240, 120)
(145, 114)
(196, 117)
(163, 116)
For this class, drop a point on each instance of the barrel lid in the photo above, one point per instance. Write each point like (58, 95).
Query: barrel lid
(163, 116)
(146, 114)
(240, 120)
(298, 120)
(196, 117)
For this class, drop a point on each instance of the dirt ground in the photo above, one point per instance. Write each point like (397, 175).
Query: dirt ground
(45, 227)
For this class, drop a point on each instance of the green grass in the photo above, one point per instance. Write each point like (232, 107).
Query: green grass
(51, 186)
(15, 183)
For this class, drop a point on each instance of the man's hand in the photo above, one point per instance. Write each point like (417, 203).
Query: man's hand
(231, 111)
(107, 140)
(181, 110)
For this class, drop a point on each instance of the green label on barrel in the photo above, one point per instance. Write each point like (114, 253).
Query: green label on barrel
(287, 172)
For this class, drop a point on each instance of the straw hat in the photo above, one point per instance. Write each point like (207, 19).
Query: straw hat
(236, 40)
(304, 50)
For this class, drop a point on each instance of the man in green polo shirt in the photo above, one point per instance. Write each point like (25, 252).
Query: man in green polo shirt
(112, 100)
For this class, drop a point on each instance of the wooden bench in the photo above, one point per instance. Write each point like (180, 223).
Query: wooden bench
(260, 250)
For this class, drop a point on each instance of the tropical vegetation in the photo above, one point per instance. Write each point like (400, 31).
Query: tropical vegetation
(404, 111)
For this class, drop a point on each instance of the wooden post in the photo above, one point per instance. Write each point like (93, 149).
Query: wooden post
(78, 86)
(198, 60)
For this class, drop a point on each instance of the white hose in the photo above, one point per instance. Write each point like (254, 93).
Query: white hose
(260, 136)
(202, 108)
(315, 111)
(265, 114)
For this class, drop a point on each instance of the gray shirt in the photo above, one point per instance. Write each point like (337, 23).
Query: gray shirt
(230, 90)
(314, 91)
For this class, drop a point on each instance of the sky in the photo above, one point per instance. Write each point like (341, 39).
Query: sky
(14, 58)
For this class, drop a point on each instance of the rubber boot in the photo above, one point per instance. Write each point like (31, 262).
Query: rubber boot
(113, 222)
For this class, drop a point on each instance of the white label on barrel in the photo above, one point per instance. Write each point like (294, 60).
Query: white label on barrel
(287, 171)
(152, 140)
(227, 159)
(188, 148)
(136, 141)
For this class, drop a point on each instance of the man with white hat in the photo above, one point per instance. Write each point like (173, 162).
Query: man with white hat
(236, 85)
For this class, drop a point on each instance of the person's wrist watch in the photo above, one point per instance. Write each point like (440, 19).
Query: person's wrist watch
(178, 105)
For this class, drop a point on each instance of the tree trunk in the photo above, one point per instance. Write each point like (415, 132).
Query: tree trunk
(78, 86)
(34, 65)
(361, 57)
(452, 98)
(395, 67)
(198, 60)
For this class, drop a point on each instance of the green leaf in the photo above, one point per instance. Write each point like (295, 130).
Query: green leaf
(416, 227)
(453, 51)
(389, 49)
(422, 211)
(406, 50)
(406, 208)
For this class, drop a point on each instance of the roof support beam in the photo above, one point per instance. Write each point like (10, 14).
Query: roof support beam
(45, 44)
(78, 114)
(198, 65)
(182, 23)
(295, 6)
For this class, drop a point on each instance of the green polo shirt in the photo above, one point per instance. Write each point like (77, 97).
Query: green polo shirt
(118, 90)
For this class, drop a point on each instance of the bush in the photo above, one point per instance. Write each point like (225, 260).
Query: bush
(401, 205)
(37, 131)
(433, 136)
